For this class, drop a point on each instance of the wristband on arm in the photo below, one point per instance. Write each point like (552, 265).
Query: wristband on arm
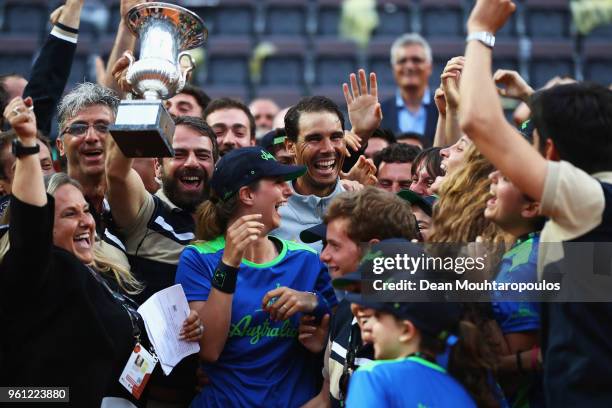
(224, 278)
(322, 307)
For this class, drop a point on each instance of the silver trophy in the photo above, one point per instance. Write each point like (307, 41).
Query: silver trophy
(143, 126)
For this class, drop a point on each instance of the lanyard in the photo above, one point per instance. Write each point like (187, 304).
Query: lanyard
(128, 304)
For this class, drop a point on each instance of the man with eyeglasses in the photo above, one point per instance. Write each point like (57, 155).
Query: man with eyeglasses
(412, 108)
(84, 115)
(232, 122)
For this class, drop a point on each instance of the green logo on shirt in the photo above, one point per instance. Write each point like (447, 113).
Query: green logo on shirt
(244, 329)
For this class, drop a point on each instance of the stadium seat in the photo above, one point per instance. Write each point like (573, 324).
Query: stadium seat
(394, 18)
(549, 59)
(227, 62)
(285, 17)
(328, 15)
(334, 60)
(229, 18)
(442, 18)
(25, 16)
(286, 66)
(548, 19)
(598, 60)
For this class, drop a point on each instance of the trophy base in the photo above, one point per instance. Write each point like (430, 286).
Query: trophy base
(143, 128)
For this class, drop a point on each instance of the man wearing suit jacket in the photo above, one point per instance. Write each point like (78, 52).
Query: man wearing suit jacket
(412, 108)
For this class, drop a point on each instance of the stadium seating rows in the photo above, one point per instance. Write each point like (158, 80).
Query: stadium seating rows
(539, 41)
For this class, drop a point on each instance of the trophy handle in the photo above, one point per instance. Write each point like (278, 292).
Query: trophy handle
(185, 73)
(131, 59)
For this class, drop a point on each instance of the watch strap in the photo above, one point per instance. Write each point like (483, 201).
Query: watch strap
(484, 37)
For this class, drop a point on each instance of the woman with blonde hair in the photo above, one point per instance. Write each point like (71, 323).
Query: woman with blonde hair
(66, 323)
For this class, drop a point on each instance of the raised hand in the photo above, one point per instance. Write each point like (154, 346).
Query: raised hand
(363, 172)
(242, 233)
(364, 110)
(440, 100)
(119, 71)
(450, 81)
(126, 5)
(284, 302)
(313, 336)
(514, 86)
(19, 114)
(490, 15)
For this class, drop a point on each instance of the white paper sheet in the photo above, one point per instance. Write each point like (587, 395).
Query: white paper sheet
(164, 314)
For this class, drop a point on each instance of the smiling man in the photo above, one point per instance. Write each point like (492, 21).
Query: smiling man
(156, 227)
(315, 136)
(232, 122)
(412, 109)
(84, 116)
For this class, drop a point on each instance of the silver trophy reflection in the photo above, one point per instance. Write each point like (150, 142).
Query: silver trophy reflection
(143, 126)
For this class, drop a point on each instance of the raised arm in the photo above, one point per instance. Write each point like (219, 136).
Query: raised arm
(51, 69)
(440, 136)
(450, 84)
(481, 114)
(216, 311)
(28, 185)
(364, 109)
(124, 41)
(126, 192)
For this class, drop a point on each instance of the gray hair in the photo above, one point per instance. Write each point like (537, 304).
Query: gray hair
(55, 181)
(410, 39)
(82, 96)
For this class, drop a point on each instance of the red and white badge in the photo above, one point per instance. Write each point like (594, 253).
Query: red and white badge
(138, 370)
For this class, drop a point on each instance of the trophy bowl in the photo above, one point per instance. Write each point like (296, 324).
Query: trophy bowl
(143, 127)
(165, 31)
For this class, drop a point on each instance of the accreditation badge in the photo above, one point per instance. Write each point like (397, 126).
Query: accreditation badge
(138, 370)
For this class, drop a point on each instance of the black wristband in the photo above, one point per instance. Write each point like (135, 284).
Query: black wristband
(66, 28)
(224, 278)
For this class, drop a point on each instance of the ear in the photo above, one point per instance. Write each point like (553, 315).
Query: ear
(550, 151)
(253, 142)
(59, 143)
(246, 196)
(159, 169)
(409, 331)
(531, 210)
(290, 146)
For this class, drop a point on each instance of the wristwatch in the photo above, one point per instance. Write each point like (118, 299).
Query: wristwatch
(19, 150)
(484, 37)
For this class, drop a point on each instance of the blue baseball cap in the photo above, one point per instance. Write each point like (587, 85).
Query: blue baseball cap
(273, 138)
(314, 234)
(241, 167)
(425, 203)
(434, 318)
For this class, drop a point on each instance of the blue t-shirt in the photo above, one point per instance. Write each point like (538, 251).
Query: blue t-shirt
(262, 363)
(407, 382)
(519, 264)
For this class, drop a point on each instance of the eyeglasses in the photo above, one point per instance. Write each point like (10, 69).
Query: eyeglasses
(80, 129)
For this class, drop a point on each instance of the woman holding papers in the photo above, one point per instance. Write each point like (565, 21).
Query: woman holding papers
(65, 320)
(251, 288)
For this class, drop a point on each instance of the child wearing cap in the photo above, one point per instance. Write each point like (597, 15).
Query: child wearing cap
(407, 337)
(518, 321)
(252, 288)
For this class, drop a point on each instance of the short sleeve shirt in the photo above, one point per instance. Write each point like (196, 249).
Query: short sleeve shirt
(262, 363)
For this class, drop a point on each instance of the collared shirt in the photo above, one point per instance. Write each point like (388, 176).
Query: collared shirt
(302, 212)
(409, 121)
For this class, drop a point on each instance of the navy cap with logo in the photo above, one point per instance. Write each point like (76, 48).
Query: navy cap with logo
(526, 128)
(314, 234)
(273, 138)
(433, 318)
(241, 167)
(425, 203)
